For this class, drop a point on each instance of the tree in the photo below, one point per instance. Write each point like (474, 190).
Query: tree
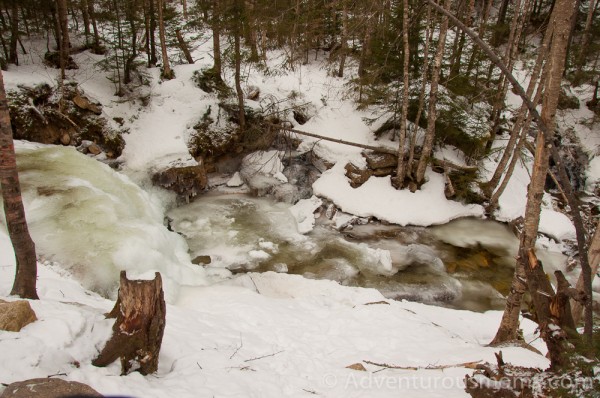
(167, 71)
(65, 43)
(401, 166)
(16, 223)
(433, 92)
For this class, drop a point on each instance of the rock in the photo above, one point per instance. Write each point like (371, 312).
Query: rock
(253, 93)
(357, 366)
(383, 172)
(65, 139)
(357, 176)
(86, 104)
(380, 160)
(15, 315)
(319, 163)
(300, 117)
(48, 388)
(200, 260)
(94, 149)
(186, 181)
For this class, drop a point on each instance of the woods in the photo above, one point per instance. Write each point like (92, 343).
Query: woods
(428, 75)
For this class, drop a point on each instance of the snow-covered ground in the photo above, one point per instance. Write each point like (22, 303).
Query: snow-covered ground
(257, 335)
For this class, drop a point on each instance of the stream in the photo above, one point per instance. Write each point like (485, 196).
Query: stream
(465, 264)
(93, 221)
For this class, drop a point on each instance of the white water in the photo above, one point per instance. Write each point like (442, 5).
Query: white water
(96, 222)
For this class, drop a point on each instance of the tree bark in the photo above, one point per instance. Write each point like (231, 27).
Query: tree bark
(432, 111)
(140, 313)
(238, 65)
(14, 33)
(65, 43)
(26, 273)
(593, 259)
(183, 46)
(398, 182)
(413, 137)
(167, 72)
(216, 31)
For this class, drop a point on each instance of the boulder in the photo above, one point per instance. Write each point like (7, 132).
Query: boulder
(356, 175)
(94, 149)
(15, 315)
(48, 388)
(186, 181)
(201, 260)
(380, 160)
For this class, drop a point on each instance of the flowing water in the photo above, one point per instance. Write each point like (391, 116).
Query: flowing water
(95, 222)
(467, 263)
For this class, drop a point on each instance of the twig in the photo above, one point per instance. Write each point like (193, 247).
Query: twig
(468, 365)
(240, 346)
(57, 374)
(264, 356)
(199, 365)
(254, 283)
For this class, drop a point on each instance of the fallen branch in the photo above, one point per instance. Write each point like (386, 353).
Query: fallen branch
(438, 162)
(264, 356)
(379, 149)
(468, 365)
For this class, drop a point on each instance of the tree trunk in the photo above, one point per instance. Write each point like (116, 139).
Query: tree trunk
(183, 46)
(537, 282)
(216, 39)
(537, 69)
(238, 65)
(593, 259)
(398, 182)
(432, 111)
(92, 14)
(14, 33)
(413, 137)
(344, 40)
(86, 21)
(151, 10)
(26, 273)
(65, 43)
(167, 72)
(586, 35)
(140, 313)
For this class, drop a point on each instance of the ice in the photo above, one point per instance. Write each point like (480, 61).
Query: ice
(96, 222)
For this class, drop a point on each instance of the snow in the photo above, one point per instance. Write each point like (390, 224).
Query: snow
(377, 198)
(303, 212)
(269, 334)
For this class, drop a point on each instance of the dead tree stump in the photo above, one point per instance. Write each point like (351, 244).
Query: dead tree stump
(140, 313)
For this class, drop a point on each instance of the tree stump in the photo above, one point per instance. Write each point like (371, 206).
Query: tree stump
(140, 313)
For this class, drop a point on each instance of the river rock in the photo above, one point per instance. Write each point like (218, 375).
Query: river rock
(15, 315)
(201, 260)
(94, 149)
(48, 388)
(356, 175)
(186, 181)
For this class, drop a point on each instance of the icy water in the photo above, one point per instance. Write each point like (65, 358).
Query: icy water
(465, 264)
(95, 222)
